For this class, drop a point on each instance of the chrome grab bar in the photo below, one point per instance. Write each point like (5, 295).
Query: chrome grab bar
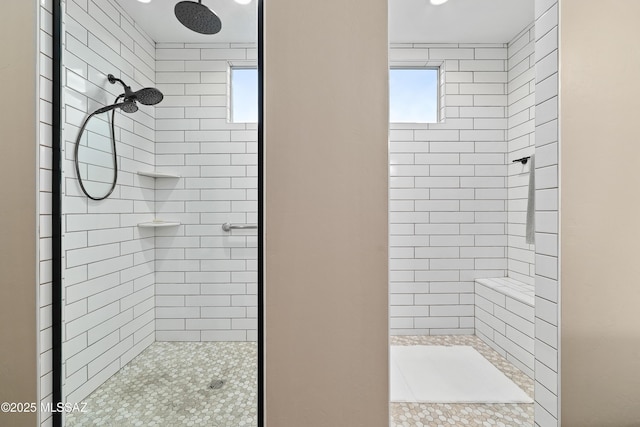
(228, 227)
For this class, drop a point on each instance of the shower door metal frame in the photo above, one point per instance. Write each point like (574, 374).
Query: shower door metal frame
(56, 214)
(260, 255)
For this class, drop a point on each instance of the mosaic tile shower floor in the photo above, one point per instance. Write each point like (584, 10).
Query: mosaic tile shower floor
(168, 385)
(468, 415)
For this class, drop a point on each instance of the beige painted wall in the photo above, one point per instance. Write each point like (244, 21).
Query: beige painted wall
(18, 331)
(600, 211)
(326, 213)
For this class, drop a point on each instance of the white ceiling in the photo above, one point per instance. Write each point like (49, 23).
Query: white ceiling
(239, 22)
(458, 21)
(410, 21)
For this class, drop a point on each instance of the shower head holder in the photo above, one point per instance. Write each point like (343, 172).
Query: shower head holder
(128, 93)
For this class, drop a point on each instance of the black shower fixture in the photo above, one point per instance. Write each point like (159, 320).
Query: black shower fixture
(197, 17)
(145, 96)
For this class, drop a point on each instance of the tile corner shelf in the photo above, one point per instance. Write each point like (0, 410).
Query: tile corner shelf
(154, 174)
(158, 224)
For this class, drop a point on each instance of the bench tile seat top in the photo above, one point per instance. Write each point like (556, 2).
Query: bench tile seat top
(515, 289)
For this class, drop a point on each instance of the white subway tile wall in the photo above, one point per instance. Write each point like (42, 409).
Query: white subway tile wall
(521, 137)
(44, 132)
(206, 277)
(448, 192)
(546, 250)
(436, 208)
(108, 262)
(504, 319)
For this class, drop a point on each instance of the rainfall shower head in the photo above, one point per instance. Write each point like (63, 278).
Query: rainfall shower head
(145, 96)
(197, 17)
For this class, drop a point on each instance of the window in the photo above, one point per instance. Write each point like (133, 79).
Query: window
(244, 95)
(413, 95)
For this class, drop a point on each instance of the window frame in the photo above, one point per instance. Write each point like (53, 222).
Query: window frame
(230, 105)
(439, 90)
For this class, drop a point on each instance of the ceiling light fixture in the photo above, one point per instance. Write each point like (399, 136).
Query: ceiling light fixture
(243, 1)
(438, 2)
(144, 1)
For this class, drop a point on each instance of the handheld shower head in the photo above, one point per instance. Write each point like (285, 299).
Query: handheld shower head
(147, 96)
(129, 106)
(197, 17)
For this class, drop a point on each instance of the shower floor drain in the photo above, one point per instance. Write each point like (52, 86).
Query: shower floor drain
(216, 385)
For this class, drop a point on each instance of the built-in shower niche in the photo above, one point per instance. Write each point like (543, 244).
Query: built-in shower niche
(159, 223)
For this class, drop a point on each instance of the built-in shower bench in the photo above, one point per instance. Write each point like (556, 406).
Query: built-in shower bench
(504, 319)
